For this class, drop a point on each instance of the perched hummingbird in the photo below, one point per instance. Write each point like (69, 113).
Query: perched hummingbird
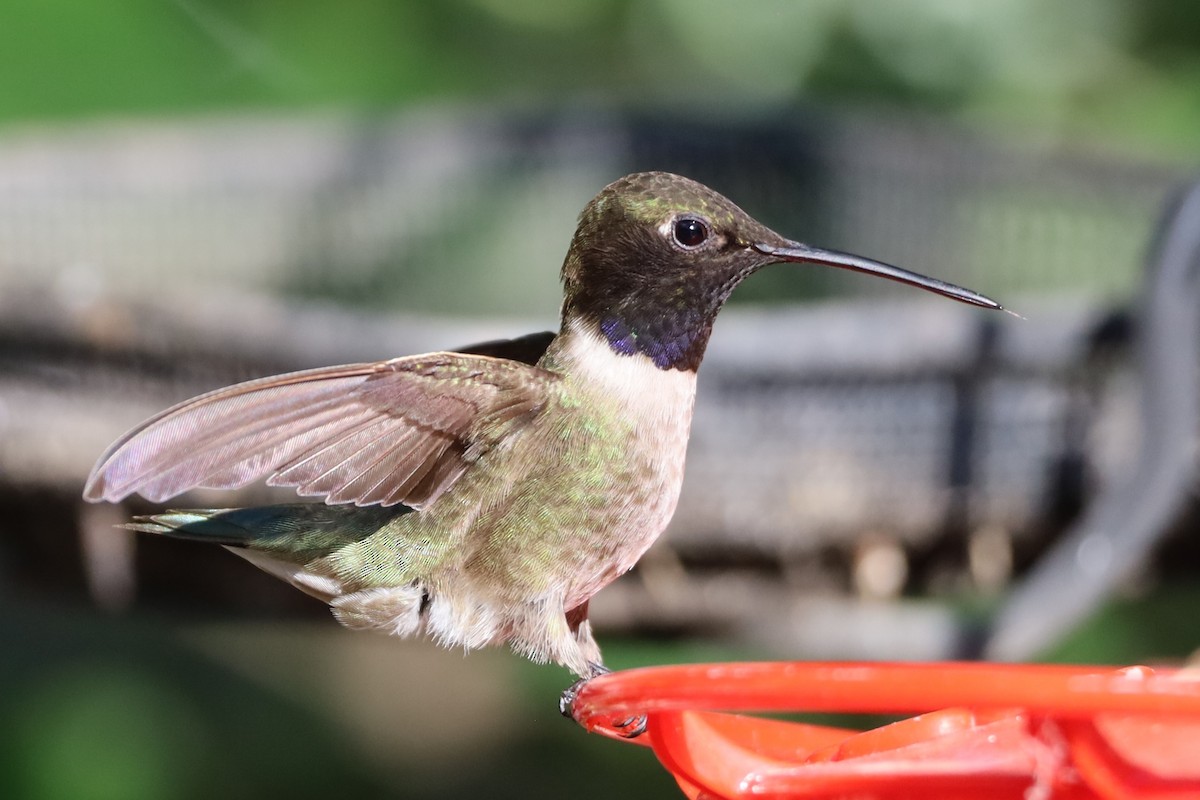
(484, 496)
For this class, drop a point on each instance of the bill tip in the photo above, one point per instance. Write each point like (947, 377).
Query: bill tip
(1010, 312)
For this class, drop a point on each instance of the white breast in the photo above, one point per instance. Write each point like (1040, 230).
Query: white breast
(659, 404)
(659, 400)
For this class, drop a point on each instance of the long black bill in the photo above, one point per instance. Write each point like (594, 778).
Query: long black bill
(795, 251)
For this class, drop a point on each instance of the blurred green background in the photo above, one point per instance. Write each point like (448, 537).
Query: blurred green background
(1112, 73)
(169, 702)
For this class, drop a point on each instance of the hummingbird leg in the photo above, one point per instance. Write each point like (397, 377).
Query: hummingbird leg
(629, 727)
(586, 655)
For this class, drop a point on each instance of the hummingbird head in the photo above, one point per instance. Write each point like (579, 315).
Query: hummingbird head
(656, 255)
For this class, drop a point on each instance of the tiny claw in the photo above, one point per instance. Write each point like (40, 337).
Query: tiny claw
(566, 701)
(631, 727)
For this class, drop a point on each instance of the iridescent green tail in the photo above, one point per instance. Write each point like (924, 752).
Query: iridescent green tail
(293, 532)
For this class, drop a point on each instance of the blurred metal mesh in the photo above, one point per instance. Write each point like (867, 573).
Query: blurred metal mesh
(400, 204)
(142, 263)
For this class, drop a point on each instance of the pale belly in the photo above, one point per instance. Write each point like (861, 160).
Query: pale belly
(536, 527)
(593, 495)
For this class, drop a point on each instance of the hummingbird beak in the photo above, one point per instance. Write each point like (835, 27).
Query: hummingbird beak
(796, 252)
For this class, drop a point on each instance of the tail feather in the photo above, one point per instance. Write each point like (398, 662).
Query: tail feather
(200, 524)
(294, 532)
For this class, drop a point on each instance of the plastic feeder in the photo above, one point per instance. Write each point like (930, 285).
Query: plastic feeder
(1002, 731)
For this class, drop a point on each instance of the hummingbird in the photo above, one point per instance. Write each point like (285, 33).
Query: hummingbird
(484, 495)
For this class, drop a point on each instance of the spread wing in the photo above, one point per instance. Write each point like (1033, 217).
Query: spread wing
(399, 431)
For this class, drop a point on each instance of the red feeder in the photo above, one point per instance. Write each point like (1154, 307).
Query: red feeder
(1004, 731)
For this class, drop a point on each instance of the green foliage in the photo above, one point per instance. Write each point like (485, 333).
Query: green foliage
(101, 708)
(1119, 71)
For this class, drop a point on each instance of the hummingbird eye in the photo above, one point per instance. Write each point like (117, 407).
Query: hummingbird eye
(690, 232)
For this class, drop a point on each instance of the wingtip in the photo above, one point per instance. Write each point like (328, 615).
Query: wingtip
(93, 489)
(99, 490)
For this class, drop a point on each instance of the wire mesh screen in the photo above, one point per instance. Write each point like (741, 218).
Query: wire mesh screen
(397, 211)
(814, 425)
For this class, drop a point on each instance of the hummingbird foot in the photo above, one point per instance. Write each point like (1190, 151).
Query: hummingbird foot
(631, 727)
(628, 728)
(566, 702)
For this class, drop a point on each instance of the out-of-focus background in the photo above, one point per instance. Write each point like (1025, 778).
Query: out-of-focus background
(193, 192)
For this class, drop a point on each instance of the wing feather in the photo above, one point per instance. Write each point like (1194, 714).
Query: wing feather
(360, 487)
(399, 431)
(344, 458)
